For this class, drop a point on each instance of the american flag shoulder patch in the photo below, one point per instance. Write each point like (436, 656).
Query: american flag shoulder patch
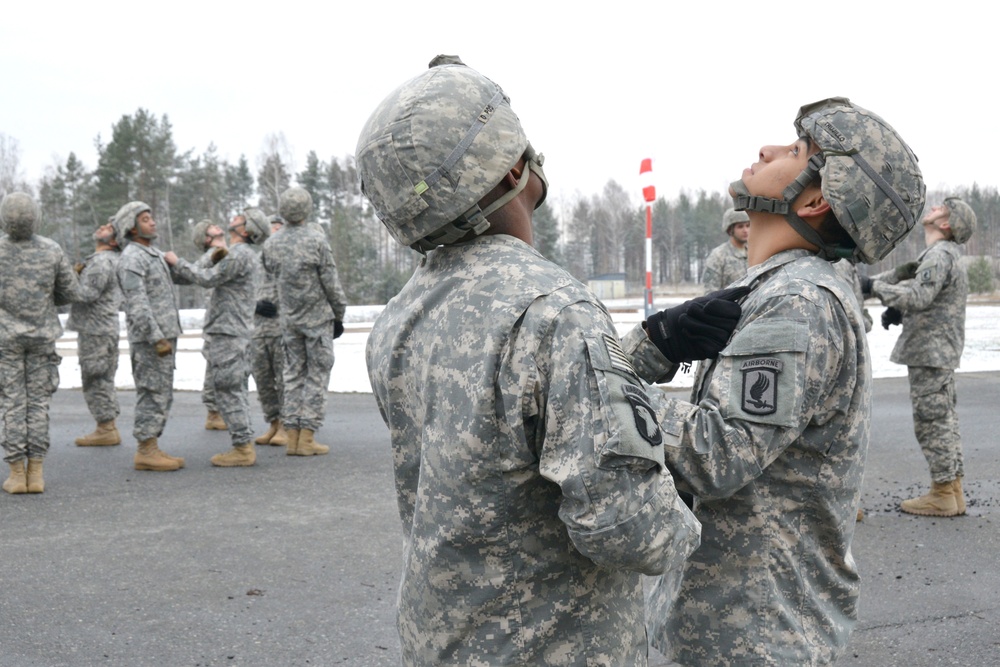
(619, 360)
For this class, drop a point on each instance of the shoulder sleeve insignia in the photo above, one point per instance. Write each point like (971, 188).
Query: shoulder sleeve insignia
(760, 386)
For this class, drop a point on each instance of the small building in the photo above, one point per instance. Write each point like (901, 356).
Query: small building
(608, 286)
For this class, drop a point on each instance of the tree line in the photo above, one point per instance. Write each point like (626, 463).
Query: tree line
(600, 234)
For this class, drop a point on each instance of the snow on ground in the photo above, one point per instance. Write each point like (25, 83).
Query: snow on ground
(982, 347)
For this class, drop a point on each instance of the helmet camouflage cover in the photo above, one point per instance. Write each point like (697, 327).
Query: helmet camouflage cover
(433, 148)
(733, 217)
(198, 233)
(125, 219)
(961, 219)
(20, 215)
(295, 205)
(258, 226)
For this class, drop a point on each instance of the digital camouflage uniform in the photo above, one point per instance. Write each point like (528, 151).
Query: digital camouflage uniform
(930, 345)
(848, 271)
(773, 445)
(528, 466)
(95, 319)
(207, 387)
(267, 351)
(725, 265)
(35, 277)
(150, 315)
(310, 298)
(228, 323)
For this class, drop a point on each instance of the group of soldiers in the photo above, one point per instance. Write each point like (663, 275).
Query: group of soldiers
(274, 313)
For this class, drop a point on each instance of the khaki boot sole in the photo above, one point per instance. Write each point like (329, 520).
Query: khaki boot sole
(235, 458)
(156, 465)
(921, 509)
(103, 440)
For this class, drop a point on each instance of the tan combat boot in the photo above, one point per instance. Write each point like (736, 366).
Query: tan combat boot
(307, 446)
(35, 482)
(239, 455)
(214, 422)
(16, 483)
(959, 495)
(149, 457)
(293, 441)
(275, 435)
(280, 438)
(105, 435)
(941, 501)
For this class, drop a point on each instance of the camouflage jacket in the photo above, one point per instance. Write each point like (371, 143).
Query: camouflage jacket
(773, 444)
(527, 464)
(150, 299)
(849, 272)
(300, 262)
(100, 298)
(933, 306)
(230, 308)
(725, 265)
(35, 277)
(266, 290)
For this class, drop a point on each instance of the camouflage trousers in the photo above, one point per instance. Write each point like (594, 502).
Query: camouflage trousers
(935, 420)
(154, 389)
(98, 354)
(29, 375)
(267, 365)
(229, 369)
(207, 388)
(308, 361)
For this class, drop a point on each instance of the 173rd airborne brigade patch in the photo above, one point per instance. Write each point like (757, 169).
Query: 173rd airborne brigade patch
(760, 385)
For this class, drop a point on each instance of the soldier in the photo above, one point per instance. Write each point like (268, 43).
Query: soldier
(528, 463)
(153, 327)
(268, 354)
(773, 441)
(35, 277)
(311, 307)
(95, 319)
(928, 298)
(228, 322)
(207, 236)
(727, 263)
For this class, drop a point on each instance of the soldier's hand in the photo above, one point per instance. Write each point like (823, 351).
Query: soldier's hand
(78, 267)
(891, 316)
(266, 309)
(218, 255)
(338, 329)
(699, 328)
(907, 271)
(163, 347)
(866, 285)
(170, 257)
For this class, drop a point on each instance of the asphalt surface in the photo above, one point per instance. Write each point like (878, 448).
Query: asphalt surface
(296, 560)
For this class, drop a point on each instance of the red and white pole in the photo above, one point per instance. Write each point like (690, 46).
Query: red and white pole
(649, 194)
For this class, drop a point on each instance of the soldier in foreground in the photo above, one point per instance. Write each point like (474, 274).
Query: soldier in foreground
(268, 354)
(228, 323)
(35, 277)
(727, 263)
(774, 439)
(207, 237)
(928, 297)
(311, 308)
(95, 319)
(528, 463)
(153, 327)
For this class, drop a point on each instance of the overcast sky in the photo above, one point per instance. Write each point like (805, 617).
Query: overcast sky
(599, 86)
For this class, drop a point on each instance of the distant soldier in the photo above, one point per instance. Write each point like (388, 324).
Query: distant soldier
(928, 298)
(35, 277)
(268, 353)
(311, 307)
(228, 323)
(207, 236)
(95, 319)
(727, 263)
(153, 327)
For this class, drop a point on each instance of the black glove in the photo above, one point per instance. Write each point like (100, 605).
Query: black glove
(696, 329)
(866, 286)
(266, 309)
(907, 271)
(338, 329)
(891, 316)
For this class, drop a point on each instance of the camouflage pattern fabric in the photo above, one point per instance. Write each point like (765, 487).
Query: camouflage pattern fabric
(230, 370)
(98, 356)
(935, 420)
(773, 444)
(933, 306)
(207, 383)
(267, 364)
(154, 387)
(848, 271)
(725, 265)
(29, 375)
(267, 290)
(529, 472)
(306, 378)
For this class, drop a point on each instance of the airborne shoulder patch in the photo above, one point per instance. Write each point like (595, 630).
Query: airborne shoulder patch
(645, 417)
(760, 385)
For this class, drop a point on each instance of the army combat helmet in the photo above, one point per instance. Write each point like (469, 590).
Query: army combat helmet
(20, 216)
(295, 205)
(731, 218)
(434, 148)
(870, 178)
(125, 220)
(961, 219)
(257, 225)
(199, 233)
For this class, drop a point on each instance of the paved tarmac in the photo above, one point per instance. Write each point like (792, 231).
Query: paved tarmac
(296, 560)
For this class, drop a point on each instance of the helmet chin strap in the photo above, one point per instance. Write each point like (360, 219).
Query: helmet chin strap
(744, 201)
